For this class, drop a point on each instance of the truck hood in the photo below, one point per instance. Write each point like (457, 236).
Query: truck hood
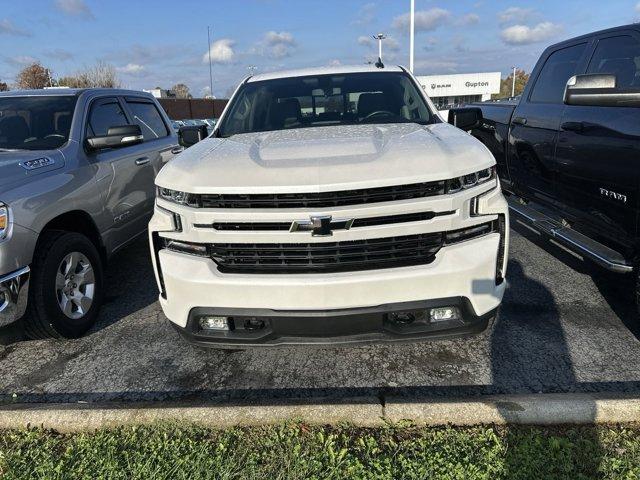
(325, 158)
(12, 172)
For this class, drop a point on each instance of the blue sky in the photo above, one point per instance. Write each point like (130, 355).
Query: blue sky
(160, 43)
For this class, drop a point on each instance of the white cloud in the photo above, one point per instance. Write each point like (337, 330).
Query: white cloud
(430, 44)
(516, 14)
(365, 15)
(278, 44)
(8, 28)
(425, 20)
(365, 41)
(468, 19)
(59, 54)
(131, 68)
(221, 51)
(21, 60)
(76, 8)
(523, 34)
(335, 63)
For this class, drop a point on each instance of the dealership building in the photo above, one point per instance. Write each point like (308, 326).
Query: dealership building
(448, 90)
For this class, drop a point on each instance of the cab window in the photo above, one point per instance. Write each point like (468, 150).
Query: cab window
(146, 115)
(619, 56)
(552, 80)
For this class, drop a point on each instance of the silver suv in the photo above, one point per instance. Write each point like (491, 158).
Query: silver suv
(77, 170)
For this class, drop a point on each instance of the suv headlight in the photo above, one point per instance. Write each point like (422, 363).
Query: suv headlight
(175, 196)
(473, 179)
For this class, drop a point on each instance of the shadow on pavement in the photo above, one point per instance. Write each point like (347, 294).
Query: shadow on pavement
(617, 289)
(511, 360)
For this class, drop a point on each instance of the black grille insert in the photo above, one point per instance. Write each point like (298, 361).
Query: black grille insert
(323, 199)
(321, 257)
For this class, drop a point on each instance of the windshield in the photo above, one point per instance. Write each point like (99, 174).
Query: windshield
(35, 123)
(324, 100)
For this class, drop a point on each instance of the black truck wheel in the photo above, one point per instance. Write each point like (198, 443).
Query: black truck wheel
(66, 287)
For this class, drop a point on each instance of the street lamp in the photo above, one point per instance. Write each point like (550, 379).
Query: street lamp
(412, 25)
(380, 37)
(513, 83)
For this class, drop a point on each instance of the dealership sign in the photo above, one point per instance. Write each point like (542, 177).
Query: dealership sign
(461, 84)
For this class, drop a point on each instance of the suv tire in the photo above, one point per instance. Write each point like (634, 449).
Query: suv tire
(67, 271)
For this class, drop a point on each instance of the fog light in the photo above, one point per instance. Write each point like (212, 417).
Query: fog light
(444, 314)
(214, 323)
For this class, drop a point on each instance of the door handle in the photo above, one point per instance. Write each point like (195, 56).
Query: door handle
(519, 120)
(177, 150)
(142, 161)
(573, 126)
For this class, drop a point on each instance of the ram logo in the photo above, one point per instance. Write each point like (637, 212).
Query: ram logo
(613, 195)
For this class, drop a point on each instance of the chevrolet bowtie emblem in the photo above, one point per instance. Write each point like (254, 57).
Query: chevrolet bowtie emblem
(321, 225)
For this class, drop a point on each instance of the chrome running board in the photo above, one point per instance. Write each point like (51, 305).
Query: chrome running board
(571, 239)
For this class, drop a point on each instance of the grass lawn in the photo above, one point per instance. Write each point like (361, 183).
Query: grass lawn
(297, 451)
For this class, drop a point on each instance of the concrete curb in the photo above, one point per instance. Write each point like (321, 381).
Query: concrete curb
(540, 409)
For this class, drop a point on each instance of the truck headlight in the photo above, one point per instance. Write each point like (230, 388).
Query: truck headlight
(4, 220)
(181, 198)
(471, 180)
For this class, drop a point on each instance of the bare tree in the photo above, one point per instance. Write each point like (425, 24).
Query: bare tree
(181, 91)
(34, 76)
(3, 87)
(100, 75)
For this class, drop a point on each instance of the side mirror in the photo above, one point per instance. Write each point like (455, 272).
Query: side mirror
(466, 118)
(116, 137)
(599, 90)
(188, 136)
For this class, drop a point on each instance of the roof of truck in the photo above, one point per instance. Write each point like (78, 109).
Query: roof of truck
(632, 26)
(48, 92)
(333, 70)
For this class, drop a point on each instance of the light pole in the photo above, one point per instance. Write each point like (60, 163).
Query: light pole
(380, 37)
(210, 70)
(513, 83)
(412, 26)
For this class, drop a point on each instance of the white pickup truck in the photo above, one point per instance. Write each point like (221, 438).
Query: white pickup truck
(330, 205)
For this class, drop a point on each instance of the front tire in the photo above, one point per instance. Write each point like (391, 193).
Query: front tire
(66, 286)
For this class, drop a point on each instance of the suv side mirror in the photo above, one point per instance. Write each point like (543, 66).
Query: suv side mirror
(599, 90)
(466, 118)
(116, 137)
(188, 136)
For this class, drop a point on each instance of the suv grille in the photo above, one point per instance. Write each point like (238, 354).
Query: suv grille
(327, 256)
(324, 199)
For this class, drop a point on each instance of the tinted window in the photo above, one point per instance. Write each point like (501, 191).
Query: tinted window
(35, 123)
(104, 115)
(325, 100)
(619, 56)
(147, 116)
(559, 67)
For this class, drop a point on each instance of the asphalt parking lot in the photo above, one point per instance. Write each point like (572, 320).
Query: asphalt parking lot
(564, 327)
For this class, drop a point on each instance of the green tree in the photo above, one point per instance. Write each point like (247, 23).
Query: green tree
(3, 87)
(506, 84)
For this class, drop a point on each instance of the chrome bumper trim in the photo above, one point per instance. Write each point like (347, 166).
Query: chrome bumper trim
(14, 291)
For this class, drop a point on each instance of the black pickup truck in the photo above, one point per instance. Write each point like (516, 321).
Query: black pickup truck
(568, 151)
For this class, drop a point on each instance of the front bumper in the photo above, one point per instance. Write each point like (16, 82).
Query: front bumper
(14, 292)
(331, 327)
(465, 272)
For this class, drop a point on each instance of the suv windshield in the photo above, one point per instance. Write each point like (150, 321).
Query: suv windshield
(35, 123)
(325, 100)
